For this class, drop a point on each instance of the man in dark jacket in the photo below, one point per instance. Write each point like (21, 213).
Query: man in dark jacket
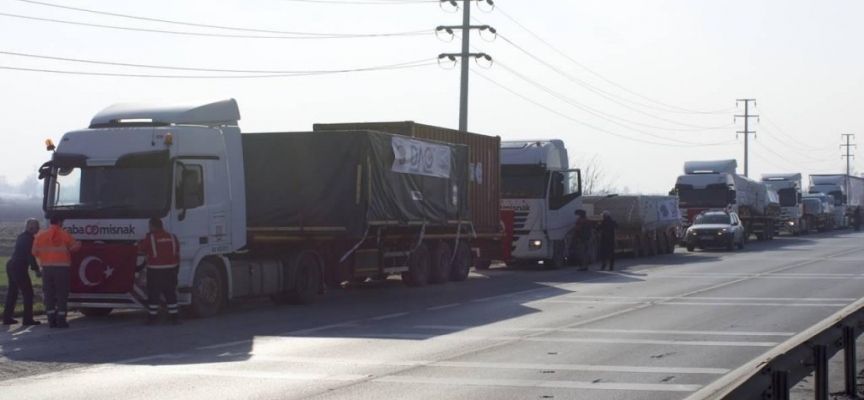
(19, 277)
(607, 241)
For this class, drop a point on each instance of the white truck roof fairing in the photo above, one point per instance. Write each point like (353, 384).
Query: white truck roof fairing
(827, 179)
(780, 177)
(217, 113)
(710, 167)
(550, 153)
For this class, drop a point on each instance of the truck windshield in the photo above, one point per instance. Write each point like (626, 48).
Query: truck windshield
(709, 198)
(712, 219)
(523, 182)
(788, 197)
(107, 191)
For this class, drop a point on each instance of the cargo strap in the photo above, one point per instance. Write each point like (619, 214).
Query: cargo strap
(356, 246)
(456, 245)
(422, 235)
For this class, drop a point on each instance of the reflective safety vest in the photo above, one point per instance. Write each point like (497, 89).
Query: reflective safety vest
(53, 246)
(161, 248)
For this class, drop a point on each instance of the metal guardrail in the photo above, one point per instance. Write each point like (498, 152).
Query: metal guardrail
(771, 375)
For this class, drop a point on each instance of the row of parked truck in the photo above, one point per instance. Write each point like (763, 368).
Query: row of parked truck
(288, 214)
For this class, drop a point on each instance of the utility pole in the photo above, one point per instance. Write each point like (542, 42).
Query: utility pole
(746, 130)
(465, 54)
(848, 156)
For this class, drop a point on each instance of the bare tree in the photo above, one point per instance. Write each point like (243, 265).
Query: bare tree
(596, 178)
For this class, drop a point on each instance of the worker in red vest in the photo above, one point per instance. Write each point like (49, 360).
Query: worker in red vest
(162, 250)
(52, 249)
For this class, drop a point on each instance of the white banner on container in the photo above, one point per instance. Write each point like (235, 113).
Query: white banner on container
(421, 158)
(667, 210)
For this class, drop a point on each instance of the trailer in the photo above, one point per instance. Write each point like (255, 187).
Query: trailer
(491, 228)
(281, 214)
(848, 192)
(647, 225)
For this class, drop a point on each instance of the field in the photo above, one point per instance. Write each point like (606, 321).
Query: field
(12, 217)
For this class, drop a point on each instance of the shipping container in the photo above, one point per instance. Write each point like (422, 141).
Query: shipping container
(484, 172)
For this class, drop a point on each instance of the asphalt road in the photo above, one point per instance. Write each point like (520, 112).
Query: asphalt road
(658, 328)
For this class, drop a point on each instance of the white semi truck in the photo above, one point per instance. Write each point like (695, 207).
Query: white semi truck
(715, 185)
(848, 192)
(538, 185)
(262, 214)
(788, 187)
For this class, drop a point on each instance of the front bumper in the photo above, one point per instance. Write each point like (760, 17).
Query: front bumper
(709, 240)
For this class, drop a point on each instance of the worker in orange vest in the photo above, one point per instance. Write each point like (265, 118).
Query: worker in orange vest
(162, 250)
(52, 248)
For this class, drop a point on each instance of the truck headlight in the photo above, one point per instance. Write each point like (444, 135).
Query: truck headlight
(535, 244)
(791, 223)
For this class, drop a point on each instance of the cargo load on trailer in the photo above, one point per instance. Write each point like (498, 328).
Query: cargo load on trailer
(647, 225)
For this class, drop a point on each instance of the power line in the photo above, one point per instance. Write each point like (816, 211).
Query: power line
(674, 109)
(582, 107)
(219, 35)
(806, 147)
(277, 75)
(587, 124)
(113, 63)
(610, 96)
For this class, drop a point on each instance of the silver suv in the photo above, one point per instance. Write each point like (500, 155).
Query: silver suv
(716, 229)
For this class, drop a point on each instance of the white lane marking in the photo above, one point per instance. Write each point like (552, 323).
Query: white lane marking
(389, 316)
(266, 375)
(672, 302)
(307, 331)
(588, 330)
(712, 298)
(443, 307)
(418, 336)
(226, 344)
(489, 365)
(682, 276)
(524, 292)
(538, 384)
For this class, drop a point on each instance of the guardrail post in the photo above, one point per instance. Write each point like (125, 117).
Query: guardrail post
(820, 361)
(779, 385)
(849, 362)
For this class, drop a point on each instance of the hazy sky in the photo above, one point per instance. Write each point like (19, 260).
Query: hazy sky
(643, 63)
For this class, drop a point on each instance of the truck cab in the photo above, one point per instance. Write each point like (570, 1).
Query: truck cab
(538, 185)
(137, 162)
(706, 186)
(788, 187)
(833, 185)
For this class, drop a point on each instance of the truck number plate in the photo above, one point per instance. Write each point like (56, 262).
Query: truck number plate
(706, 237)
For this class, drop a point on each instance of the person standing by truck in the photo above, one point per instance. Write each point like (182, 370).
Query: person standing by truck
(607, 241)
(162, 250)
(19, 277)
(53, 247)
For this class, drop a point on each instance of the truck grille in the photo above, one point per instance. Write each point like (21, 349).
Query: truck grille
(520, 219)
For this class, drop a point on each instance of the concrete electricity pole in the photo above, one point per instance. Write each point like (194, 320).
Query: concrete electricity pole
(848, 156)
(465, 54)
(746, 130)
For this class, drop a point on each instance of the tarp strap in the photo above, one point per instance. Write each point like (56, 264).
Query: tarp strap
(422, 235)
(356, 246)
(456, 245)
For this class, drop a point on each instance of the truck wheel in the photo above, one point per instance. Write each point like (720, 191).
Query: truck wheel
(306, 280)
(440, 267)
(670, 243)
(557, 261)
(650, 248)
(95, 312)
(208, 294)
(462, 263)
(661, 243)
(637, 247)
(418, 267)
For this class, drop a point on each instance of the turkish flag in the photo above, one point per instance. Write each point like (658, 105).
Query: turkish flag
(103, 268)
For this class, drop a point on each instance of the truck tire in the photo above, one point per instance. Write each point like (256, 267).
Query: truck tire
(650, 246)
(637, 247)
(90, 312)
(418, 267)
(670, 243)
(661, 243)
(439, 271)
(557, 261)
(307, 280)
(462, 262)
(208, 290)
